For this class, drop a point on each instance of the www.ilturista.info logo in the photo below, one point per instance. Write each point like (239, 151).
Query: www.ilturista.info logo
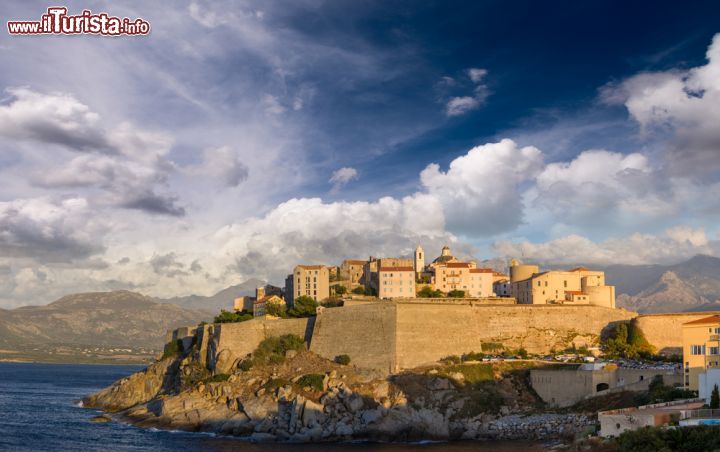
(56, 21)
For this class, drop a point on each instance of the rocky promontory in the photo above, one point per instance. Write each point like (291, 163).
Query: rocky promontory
(295, 395)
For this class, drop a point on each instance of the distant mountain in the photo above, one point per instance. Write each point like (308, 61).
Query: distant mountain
(98, 319)
(215, 303)
(693, 285)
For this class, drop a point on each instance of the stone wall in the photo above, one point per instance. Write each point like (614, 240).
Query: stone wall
(664, 331)
(365, 332)
(230, 342)
(428, 332)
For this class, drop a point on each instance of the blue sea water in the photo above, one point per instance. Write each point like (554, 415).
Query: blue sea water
(39, 411)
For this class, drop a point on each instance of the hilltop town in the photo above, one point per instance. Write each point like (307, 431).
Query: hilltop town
(391, 278)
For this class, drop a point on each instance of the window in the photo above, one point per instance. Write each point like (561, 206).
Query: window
(539, 283)
(697, 349)
(565, 283)
(717, 330)
(714, 350)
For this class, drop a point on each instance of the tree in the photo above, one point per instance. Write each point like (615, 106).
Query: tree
(276, 309)
(340, 290)
(715, 398)
(456, 294)
(232, 317)
(427, 292)
(304, 306)
(359, 290)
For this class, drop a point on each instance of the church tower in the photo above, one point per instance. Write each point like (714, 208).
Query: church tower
(419, 259)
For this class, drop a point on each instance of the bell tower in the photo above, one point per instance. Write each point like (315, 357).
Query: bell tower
(419, 259)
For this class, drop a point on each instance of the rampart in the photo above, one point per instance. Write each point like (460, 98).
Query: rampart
(664, 331)
(390, 336)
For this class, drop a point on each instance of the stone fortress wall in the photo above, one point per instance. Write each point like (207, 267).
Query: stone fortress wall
(391, 336)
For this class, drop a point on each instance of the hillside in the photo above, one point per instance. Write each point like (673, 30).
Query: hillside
(92, 325)
(215, 303)
(693, 285)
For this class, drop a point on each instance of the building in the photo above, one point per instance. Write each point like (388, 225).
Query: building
(701, 349)
(262, 293)
(309, 280)
(260, 304)
(501, 288)
(396, 282)
(370, 270)
(445, 257)
(615, 422)
(419, 260)
(565, 387)
(351, 270)
(475, 282)
(577, 286)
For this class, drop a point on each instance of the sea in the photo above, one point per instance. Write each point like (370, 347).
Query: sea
(40, 411)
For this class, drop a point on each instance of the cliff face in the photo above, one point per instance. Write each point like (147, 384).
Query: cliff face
(307, 398)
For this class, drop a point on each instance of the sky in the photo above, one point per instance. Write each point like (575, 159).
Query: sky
(239, 139)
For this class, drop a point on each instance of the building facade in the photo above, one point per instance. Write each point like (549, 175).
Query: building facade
(577, 286)
(309, 280)
(351, 270)
(475, 282)
(396, 282)
(701, 349)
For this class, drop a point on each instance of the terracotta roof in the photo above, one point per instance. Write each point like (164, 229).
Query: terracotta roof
(397, 269)
(481, 270)
(499, 274)
(354, 262)
(707, 320)
(311, 267)
(265, 299)
(579, 269)
(457, 265)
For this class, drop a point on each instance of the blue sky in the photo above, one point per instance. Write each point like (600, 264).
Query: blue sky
(240, 138)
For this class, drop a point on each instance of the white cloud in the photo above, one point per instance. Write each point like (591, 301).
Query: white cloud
(675, 245)
(481, 191)
(476, 75)
(460, 105)
(342, 177)
(685, 102)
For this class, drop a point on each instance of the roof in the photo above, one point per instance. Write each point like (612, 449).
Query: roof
(397, 269)
(266, 298)
(444, 259)
(457, 265)
(499, 274)
(579, 269)
(481, 270)
(354, 262)
(705, 321)
(311, 267)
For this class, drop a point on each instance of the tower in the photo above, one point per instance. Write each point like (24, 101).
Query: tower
(445, 251)
(419, 259)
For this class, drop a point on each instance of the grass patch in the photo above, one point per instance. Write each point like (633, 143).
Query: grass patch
(217, 378)
(342, 359)
(473, 373)
(275, 383)
(315, 381)
(272, 350)
(172, 348)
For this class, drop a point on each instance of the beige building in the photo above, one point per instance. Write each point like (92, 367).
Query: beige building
(247, 303)
(445, 257)
(309, 280)
(370, 277)
(501, 287)
(351, 270)
(577, 286)
(475, 282)
(260, 305)
(701, 348)
(396, 282)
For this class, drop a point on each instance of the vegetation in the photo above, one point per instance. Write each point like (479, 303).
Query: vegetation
(715, 398)
(233, 317)
(428, 292)
(303, 306)
(359, 290)
(272, 350)
(628, 341)
(456, 294)
(274, 383)
(276, 309)
(653, 439)
(452, 359)
(172, 348)
(343, 359)
(492, 347)
(332, 302)
(314, 381)
(340, 290)
(658, 392)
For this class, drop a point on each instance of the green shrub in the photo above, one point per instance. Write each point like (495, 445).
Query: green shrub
(456, 294)
(452, 359)
(276, 309)
(303, 306)
(246, 365)
(275, 383)
(627, 341)
(343, 359)
(272, 350)
(233, 317)
(697, 438)
(218, 378)
(314, 381)
(332, 302)
(428, 292)
(340, 290)
(472, 356)
(492, 347)
(172, 348)
(359, 290)
(522, 353)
